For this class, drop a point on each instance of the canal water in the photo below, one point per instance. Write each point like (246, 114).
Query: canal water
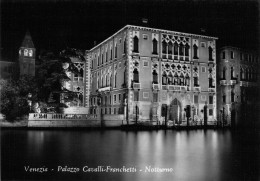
(129, 155)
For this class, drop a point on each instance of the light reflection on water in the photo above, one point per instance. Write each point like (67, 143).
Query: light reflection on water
(193, 155)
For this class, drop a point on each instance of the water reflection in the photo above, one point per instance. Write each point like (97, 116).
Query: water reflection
(193, 155)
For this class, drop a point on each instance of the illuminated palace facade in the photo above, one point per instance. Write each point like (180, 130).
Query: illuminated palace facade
(148, 73)
(237, 86)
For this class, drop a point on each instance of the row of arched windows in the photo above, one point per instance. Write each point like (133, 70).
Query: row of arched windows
(104, 57)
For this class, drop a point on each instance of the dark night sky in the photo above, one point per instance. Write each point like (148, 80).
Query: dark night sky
(55, 24)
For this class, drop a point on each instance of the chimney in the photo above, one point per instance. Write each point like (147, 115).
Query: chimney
(144, 20)
(95, 43)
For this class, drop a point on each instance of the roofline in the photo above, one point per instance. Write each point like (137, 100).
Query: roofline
(154, 29)
(238, 48)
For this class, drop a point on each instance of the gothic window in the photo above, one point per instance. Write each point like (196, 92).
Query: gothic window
(170, 79)
(125, 76)
(187, 47)
(181, 80)
(115, 50)
(155, 77)
(210, 53)
(211, 82)
(232, 72)
(164, 47)
(30, 53)
(175, 48)
(164, 79)
(106, 56)
(101, 81)
(196, 81)
(25, 52)
(79, 75)
(115, 79)
(124, 46)
(224, 73)
(111, 53)
(181, 47)
(136, 75)
(176, 79)
(97, 83)
(102, 58)
(187, 80)
(195, 51)
(136, 42)
(155, 46)
(170, 48)
(232, 55)
(105, 81)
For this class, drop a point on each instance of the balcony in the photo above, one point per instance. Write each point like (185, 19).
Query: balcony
(223, 82)
(196, 88)
(243, 84)
(105, 89)
(156, 87)
(233, 82)
(164, 87)
(136, 85)
(211, 89)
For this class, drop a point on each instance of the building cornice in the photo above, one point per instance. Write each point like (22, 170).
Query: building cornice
(155, 30)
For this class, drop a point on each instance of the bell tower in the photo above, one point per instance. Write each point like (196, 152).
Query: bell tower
(27, 56)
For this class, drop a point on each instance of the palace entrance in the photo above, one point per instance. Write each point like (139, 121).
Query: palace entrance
(175, 111)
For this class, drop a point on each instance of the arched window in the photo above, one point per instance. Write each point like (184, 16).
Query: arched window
(98, 60)
(136, 76)
(30, 53)
(164, 79)
(164, 47)
(97, 83)
(187, 80)
(210, 53)
(124, 46)
(101, 81)
(170, 79)
(155, 77)
(125, 76)
(115, 80)
(111, 53)
(106, 56)
(196, 81)
(115, 50)
(170, 48)
(181, 80)
(241, 74)
(175, 48)
(136, 48)
(187, 47)
(25, 52)
(155, 46)
(224, 73)
(105, 81)
(195, 51)
(176, 79)
(181, 49)
(211, 82)
(102, 58)
(232, 72)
